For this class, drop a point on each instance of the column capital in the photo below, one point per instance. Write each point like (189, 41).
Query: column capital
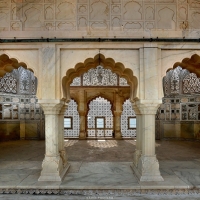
(52, 106)
(148, 107)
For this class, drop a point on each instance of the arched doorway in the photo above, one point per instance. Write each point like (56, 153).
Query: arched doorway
(100, 93)
(100, 119)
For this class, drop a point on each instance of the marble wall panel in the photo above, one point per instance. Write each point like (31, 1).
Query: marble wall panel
(9, 130)
(166, 16)
(197, 131)
(92, 16)
(187, 130)
(31, 130)
(69, 58)
(172, 130)
(129, 58)
(65, 10)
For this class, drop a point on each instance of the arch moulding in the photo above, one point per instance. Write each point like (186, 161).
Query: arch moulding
(107, 63)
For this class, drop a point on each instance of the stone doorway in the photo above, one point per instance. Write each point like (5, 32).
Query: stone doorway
(100, 119)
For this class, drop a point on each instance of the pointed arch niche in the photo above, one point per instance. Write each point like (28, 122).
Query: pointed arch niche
(100, 77)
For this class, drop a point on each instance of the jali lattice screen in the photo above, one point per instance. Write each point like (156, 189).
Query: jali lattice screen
(72, 112)
(100, 107)
(126, 113)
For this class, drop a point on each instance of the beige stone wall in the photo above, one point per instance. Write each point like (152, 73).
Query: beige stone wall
(99, 18)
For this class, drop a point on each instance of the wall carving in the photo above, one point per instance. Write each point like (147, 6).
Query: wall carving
(98, 15)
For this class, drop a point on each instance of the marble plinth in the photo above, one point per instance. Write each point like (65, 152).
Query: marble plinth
(147, 169)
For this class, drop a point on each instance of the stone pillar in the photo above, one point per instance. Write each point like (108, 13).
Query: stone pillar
(138, 150)
(54, 166)
(117, 115)
(22, 129)
(82, 125)
(82, 113)
(61, 135)
(146, 166)
(117, 123)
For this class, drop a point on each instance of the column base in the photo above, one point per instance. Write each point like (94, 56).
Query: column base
(118, 135)
(82, 135)
(136, 157)
(63, 155)
(147, 169)
(53, 169)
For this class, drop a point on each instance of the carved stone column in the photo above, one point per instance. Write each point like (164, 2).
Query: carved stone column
(138, 150)
(61, 134)
(54, 166)
(147, 166)
(82, 125)
(117, 117)
(82, 113)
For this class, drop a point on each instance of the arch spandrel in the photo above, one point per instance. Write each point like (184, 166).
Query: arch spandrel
(107, 63)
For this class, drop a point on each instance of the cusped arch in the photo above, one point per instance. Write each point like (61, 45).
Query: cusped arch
(108, 63)
(102, 95)
(7, 65)
(191, 64)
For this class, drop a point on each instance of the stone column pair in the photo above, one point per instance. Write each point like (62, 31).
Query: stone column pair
(54, 165)
(145, 163)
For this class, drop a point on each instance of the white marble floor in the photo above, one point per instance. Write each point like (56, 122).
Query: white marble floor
(22, 172)
(77, 197)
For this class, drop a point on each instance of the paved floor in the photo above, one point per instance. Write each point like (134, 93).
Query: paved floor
(100, 166)
(76, 197)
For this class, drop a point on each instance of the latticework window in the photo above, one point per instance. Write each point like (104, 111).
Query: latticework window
(99, 76)
(72, 112)
(24, 81)
(19, 81)
(180, 81)
(126, 113)
(34, 84)
(8, 83)
(191, 84)
(76, 82)
(175, 81)
(123, 82)
(100, 107)
(18, 90)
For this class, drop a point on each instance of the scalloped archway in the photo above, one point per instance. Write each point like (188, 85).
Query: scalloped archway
(8, 64)
(107, 63)
(191, 64)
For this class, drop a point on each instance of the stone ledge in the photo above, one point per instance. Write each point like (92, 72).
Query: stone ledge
(97, 192)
